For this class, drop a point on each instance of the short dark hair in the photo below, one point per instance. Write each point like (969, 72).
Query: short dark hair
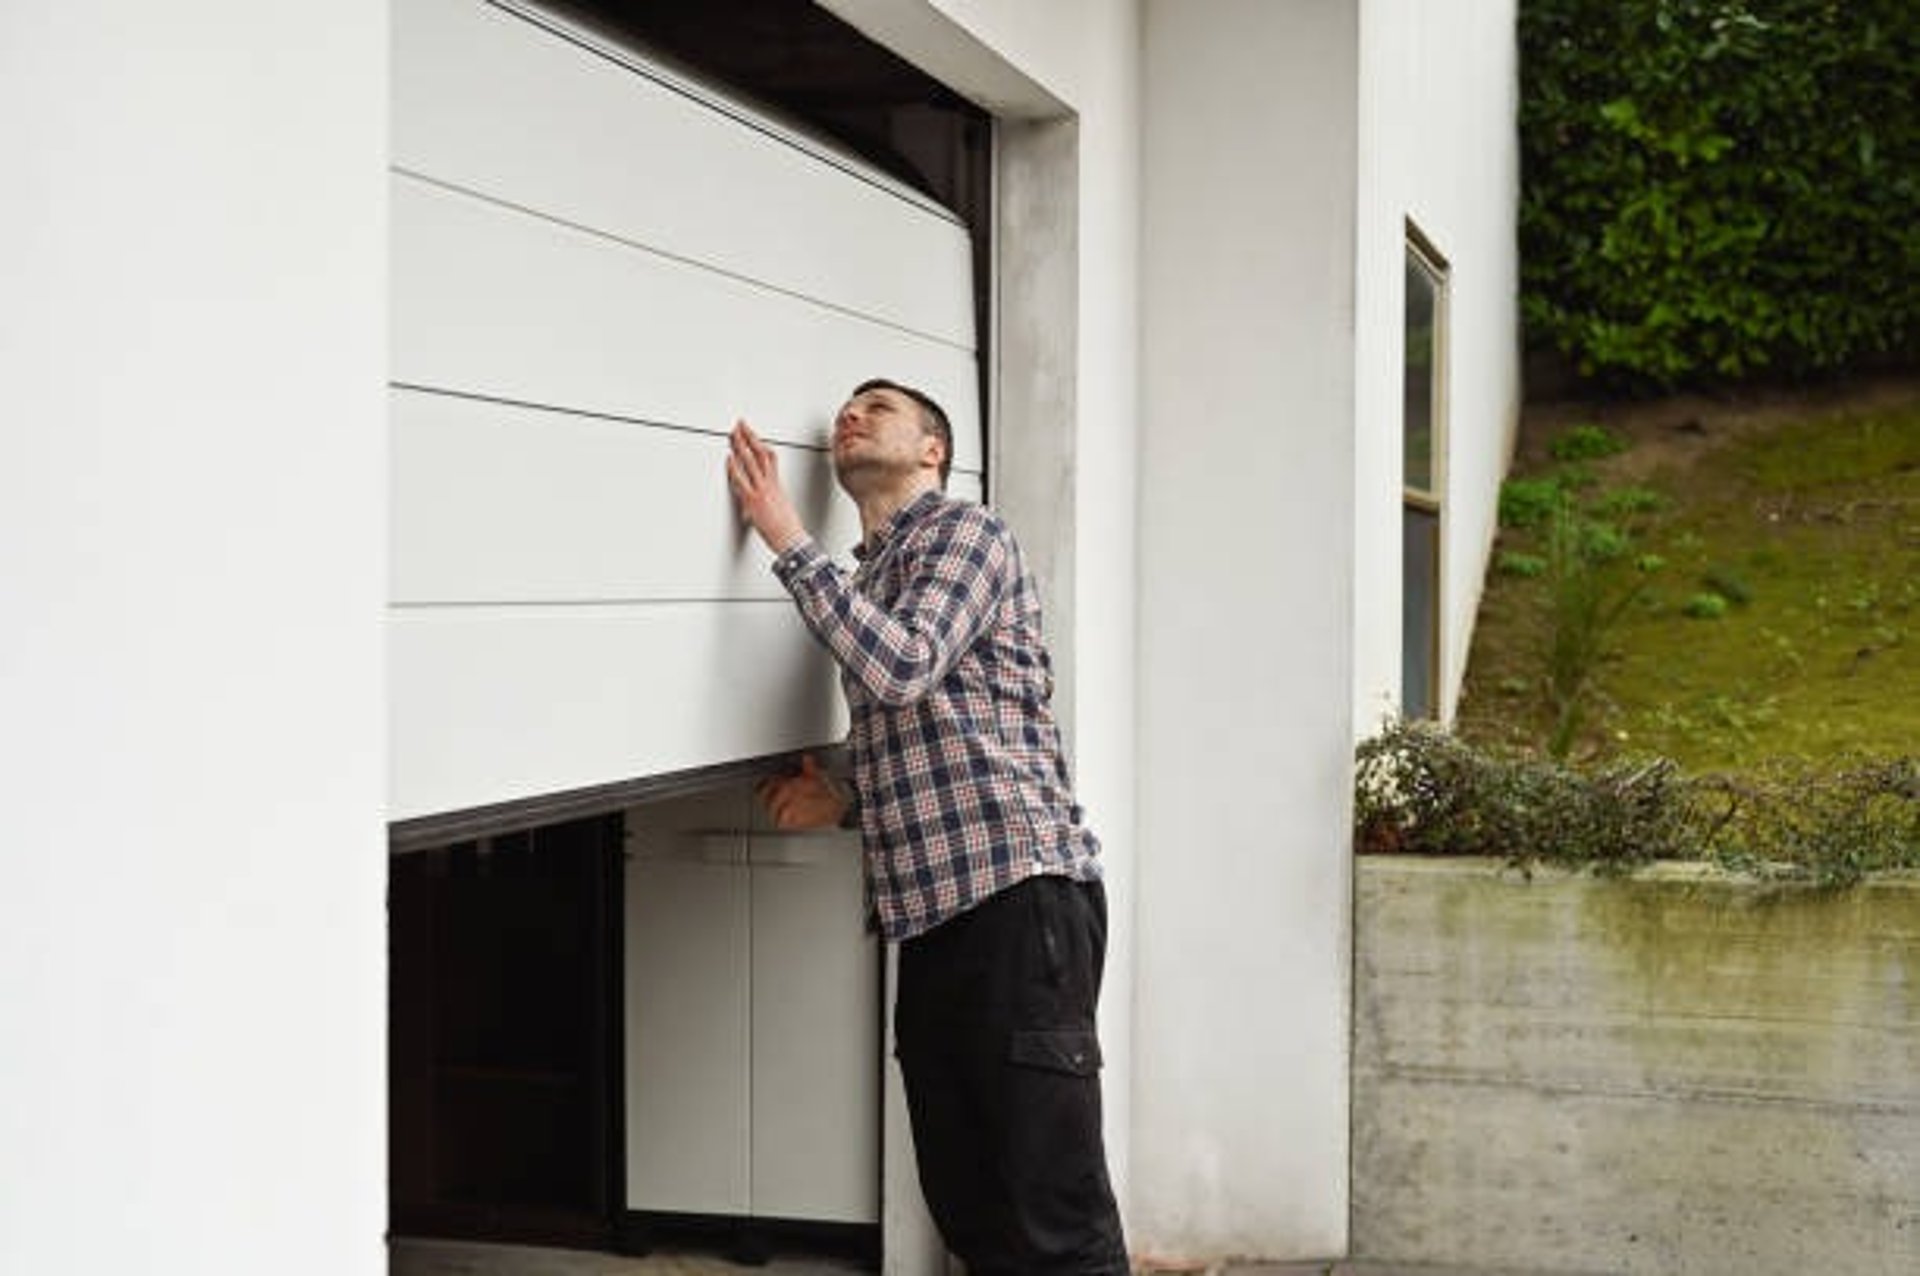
(933, 418)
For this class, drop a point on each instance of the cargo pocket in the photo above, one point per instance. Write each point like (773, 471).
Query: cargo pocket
(1073, 1051)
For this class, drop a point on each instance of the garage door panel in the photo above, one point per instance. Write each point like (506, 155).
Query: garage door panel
(493, 103)
(595, 270)
(494, 302)
(494, 502)
(498, 703)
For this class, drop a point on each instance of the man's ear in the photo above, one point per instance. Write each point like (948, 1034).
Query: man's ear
(932, 459)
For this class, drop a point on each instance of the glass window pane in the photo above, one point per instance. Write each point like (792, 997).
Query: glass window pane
(1421, 351)
(1419, 612)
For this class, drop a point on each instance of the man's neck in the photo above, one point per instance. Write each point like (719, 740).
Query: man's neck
(877, 507)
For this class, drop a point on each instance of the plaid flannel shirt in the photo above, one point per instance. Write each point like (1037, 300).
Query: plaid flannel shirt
(957, 767)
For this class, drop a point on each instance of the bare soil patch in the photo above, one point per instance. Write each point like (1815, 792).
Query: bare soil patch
(1675, 433)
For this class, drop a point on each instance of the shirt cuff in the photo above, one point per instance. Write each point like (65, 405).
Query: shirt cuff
(798, 560)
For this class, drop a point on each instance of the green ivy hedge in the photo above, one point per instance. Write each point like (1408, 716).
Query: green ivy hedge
(1713, 189)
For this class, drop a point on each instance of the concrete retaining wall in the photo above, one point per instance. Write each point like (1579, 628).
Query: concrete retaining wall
(1674, 1073)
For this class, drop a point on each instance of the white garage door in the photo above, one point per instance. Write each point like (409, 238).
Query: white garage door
(596, 269)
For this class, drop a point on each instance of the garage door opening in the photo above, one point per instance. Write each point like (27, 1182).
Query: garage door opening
(504, 1036)
(656, 1029)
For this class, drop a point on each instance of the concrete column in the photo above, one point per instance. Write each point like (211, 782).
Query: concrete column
(1246, 627)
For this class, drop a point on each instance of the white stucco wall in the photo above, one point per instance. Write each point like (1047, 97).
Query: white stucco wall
(1439, 147)
(192, 930)
(1246, 482)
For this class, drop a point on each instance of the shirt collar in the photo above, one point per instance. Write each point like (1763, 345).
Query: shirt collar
(897, 522)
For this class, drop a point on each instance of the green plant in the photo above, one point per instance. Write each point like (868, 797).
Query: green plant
(1715, 187)
(1588, 589)
(1585, 443)
(1576, 536)
(1632, 499)
(1596, 540)
(1831, 825)
(1515, 563)
(1577, 476)
(1707, 606)
(1527, 502)
(1419, 789)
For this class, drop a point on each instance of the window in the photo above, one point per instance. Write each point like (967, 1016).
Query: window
(1423, 421)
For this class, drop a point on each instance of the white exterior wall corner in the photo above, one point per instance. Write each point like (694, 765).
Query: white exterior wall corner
(1247, 518)
(1069, 73)
(1438, 146)
(192, 546)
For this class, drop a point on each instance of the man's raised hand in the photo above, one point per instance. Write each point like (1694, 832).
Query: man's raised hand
(753, 472)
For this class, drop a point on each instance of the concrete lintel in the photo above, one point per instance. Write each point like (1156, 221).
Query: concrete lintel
(934, 42)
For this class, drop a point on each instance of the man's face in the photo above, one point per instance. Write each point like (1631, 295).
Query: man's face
(878, 434)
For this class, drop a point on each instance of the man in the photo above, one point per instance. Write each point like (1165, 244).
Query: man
(977, 862)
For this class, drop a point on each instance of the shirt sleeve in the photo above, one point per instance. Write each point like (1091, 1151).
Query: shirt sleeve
(955, 571)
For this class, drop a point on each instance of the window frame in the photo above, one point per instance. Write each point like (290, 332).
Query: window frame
(1420, 254)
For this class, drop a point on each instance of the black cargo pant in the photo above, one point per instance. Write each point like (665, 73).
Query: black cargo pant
(995, 1034)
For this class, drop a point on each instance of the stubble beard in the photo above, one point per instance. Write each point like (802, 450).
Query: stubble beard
(860, 476)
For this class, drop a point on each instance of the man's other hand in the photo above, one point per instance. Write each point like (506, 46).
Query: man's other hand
(808, 800)
(753, 471)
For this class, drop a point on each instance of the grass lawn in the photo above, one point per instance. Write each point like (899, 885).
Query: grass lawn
(1784, 618)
